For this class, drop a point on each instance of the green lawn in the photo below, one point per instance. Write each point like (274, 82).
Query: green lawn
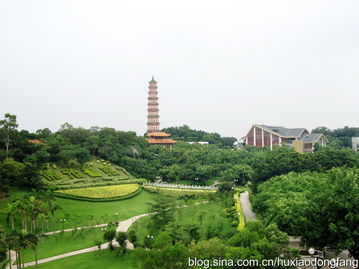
(56, 244)
(212, 216)
(80, 213)
(92, 260)
(14, 194)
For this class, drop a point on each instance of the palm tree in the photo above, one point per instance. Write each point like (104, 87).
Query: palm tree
(9, 242)
(21, 208)
(20, 241)
(33, 238)
(11, 214)
(3, 246)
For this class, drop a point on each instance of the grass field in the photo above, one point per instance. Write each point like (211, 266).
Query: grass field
(81, 213)
(212, 216)
(92, 260)
(102, 192)
(56, 244)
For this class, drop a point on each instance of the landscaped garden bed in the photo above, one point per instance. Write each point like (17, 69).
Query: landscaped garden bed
(101, 193)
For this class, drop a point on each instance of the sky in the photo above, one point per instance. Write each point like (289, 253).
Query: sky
(221, 66)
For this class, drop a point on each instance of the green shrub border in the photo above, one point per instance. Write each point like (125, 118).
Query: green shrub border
(242, 221)
(88, 199)
(97, 184)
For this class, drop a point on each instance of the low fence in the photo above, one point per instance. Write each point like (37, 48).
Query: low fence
(180, 186)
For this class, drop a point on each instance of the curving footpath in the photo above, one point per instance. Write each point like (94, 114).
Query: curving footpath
(123, 226)
(247, 206)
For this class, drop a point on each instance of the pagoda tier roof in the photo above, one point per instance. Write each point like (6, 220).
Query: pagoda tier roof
(158, 134)
(161, 141)
(34, 141)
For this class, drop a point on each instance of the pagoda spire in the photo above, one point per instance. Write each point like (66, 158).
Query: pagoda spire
(153, 123)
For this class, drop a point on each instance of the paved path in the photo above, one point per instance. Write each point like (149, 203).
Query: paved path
(123, 226)
(247, 206)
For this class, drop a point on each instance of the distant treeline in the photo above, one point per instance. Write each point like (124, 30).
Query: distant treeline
(185, 133)
(70, 146)
(341, 137)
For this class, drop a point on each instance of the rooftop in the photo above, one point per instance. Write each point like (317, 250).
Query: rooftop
(158, 134)
(153, 80)
(282, 131)
(161, 141)
(34, 141)
(312, 138)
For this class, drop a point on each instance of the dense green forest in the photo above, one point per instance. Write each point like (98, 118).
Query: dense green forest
(185, 133)
(341, 137)
(322, 208)
(200, 164)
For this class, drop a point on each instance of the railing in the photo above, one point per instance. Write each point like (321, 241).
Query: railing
(181, 186)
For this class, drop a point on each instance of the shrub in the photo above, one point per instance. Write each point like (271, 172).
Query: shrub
(91, 172)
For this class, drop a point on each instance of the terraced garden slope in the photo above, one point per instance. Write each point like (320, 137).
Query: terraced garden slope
(93, 173)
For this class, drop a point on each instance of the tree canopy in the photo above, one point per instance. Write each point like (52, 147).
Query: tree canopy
(322, 208)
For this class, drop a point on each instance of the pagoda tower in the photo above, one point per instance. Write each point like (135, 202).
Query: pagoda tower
(154, 135)
(153, 117)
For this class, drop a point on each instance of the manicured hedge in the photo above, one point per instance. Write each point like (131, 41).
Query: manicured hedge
(79, 198)
(177, 191)
(71, 185)
(242, 222)
(49, 175)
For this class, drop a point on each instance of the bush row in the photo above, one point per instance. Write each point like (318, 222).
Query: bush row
(242, 222)
(91, 172)
(62, 186)
(50, 175)
(177, 191)
(71, 173)
(108, 170)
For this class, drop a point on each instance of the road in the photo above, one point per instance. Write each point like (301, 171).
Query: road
(247, 206)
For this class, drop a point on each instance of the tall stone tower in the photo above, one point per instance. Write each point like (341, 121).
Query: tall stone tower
(153, 117)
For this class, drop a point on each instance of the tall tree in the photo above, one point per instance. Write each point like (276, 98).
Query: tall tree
(162, 206)
(9, 125)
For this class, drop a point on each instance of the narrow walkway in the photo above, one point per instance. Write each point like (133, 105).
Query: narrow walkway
(247, 206)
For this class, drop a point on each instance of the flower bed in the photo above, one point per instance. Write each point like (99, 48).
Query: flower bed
(103, 193)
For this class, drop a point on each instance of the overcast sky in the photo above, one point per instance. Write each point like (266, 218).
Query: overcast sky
(220, 65)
